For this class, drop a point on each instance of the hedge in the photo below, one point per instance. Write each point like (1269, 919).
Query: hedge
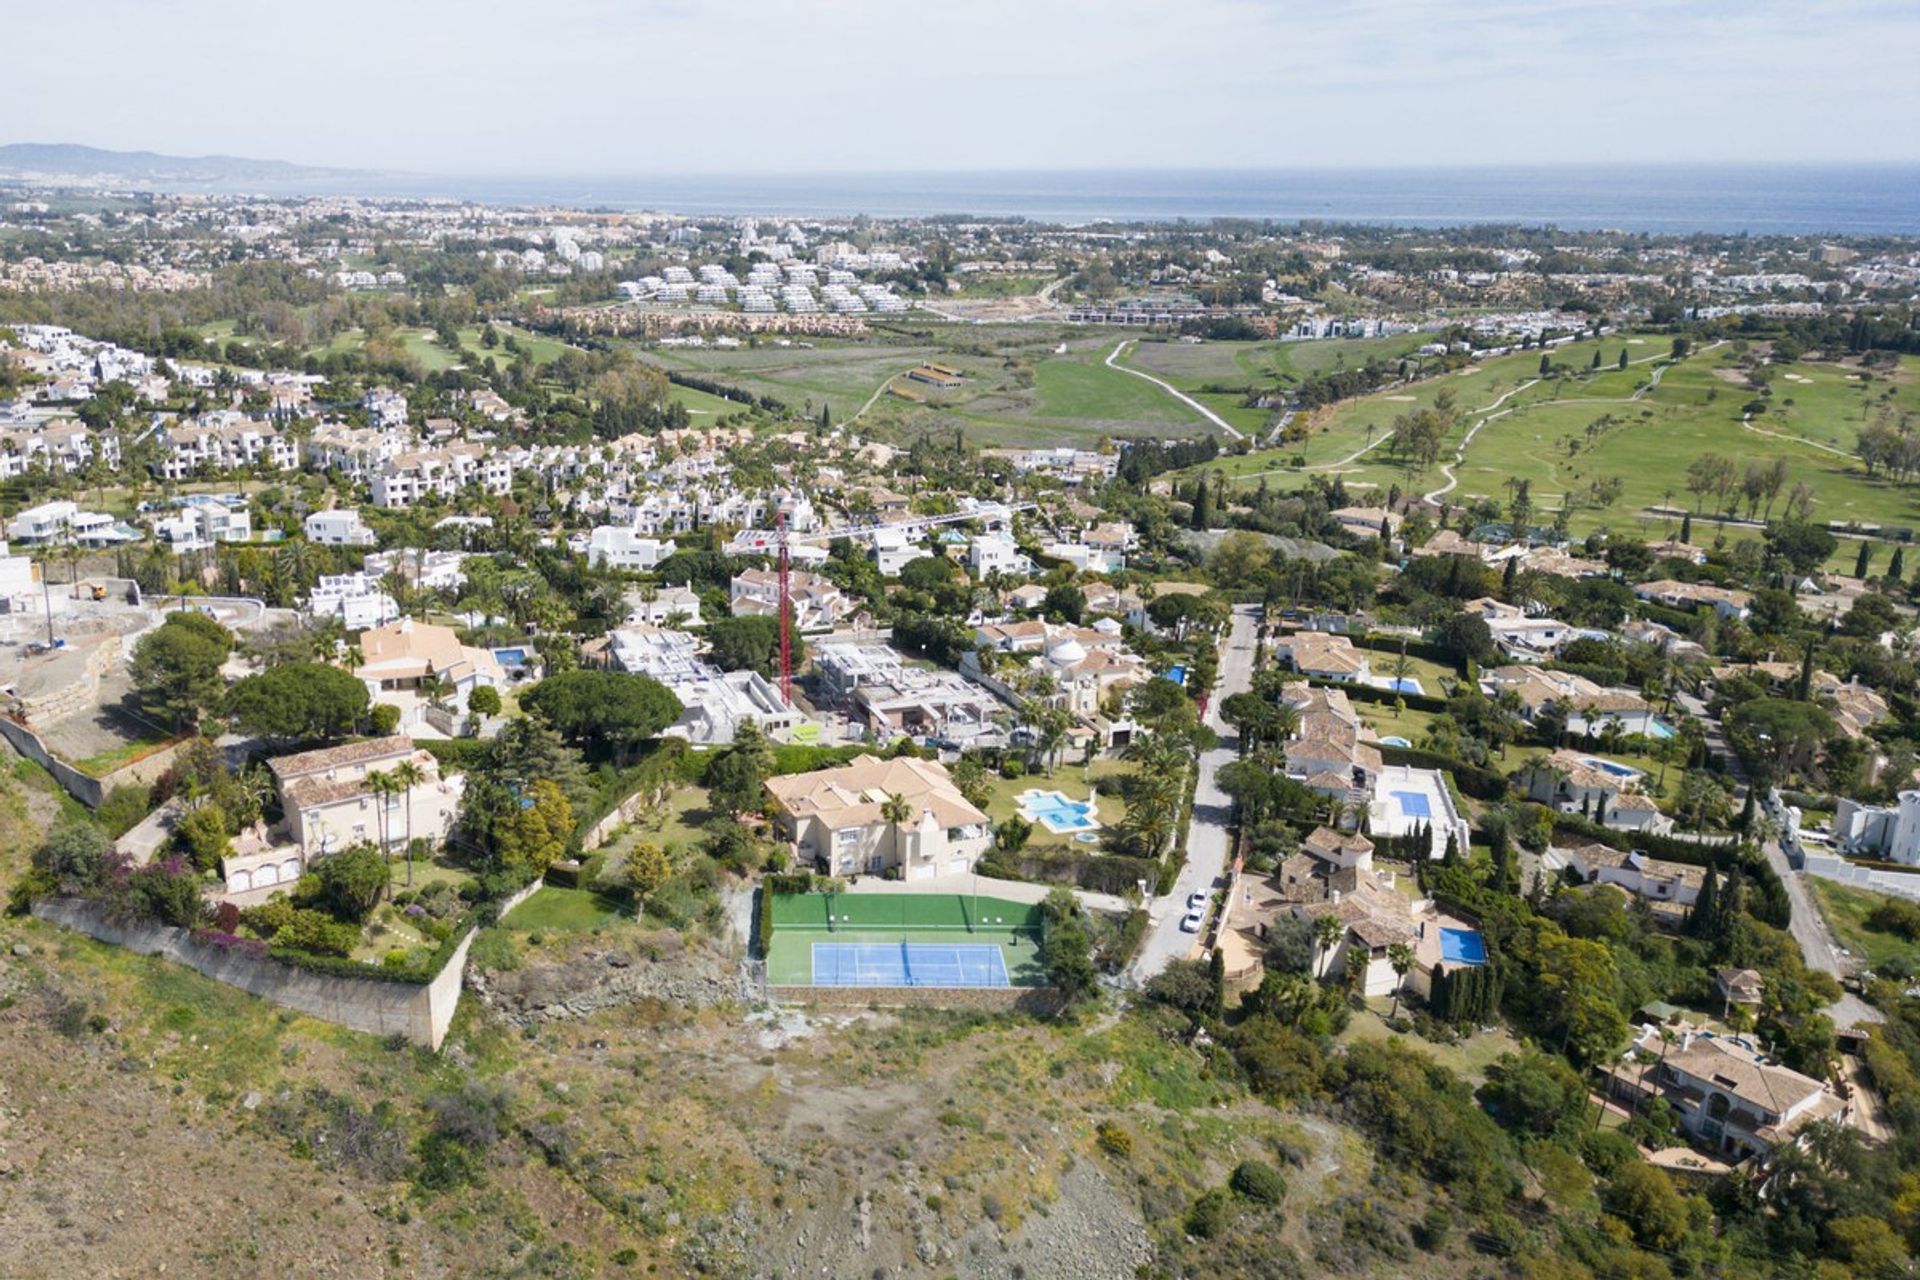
(763, 919)
(1423, 649)
(1481, 784)
(413, 973)
(1126, 943)
(457, 753)
(1100, 873)
(1368, 693)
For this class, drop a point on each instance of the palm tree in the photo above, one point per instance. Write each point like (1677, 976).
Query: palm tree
(1052, 734)
(1327, 932)
(896, 811)
(1400, 956)
(407, 775)
(382, 787)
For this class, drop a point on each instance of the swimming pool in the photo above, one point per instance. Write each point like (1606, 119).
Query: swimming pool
(1660, 729)
(510, 657)
(1402, 684)
(1462, 946)
(1395, 741)
(1413, 804)
(1609, 766)
(1052, 810)
(1177, 674)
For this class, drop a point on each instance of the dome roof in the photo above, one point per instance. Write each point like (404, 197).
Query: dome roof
(1067, 652)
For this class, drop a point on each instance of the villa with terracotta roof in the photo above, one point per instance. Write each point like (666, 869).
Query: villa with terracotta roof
(329, 807)
(1610, 794)
(1727, 1096)
(1325, 656)
(1725, 601)
(834, 819)
(1588, 707)
(406, 656)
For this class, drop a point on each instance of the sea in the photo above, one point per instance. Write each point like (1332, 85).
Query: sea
(1758, 200)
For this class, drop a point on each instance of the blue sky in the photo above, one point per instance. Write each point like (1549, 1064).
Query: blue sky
(658, 86)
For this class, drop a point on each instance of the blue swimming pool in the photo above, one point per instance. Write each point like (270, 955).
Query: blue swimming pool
(510, 657)
(1413, 804)
(1609, 766)
(1405, 685)
(1660, 729)
(1462, 946)
(1177, 674)
(1395, 741)
(1052, 810)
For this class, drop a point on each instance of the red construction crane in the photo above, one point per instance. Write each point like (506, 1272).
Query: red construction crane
(786, 618)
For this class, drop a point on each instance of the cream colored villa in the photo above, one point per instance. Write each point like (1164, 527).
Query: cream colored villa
(836, 820)
(329, 805)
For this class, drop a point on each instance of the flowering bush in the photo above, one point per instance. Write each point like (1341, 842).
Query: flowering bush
(225, 940)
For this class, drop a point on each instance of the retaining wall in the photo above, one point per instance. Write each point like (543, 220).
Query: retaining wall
(1828, 867)
(1040, 1001)
(87, 790)
(421, 1012)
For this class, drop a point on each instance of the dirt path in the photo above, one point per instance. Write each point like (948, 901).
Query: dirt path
(1174, 391)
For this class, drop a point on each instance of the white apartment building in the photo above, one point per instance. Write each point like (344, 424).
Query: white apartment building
(205, 519)
(354, 598)
(997, 553)
(613, 547)
(338, 527)
(408, 477)
(196, 448)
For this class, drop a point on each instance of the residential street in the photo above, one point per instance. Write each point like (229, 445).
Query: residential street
(1207, 838)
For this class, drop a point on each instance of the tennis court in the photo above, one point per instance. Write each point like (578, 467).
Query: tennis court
(904, 940)
(908, 964)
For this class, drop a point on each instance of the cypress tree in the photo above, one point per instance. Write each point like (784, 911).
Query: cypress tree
(1507, 579)
(1623, 357)
(1700, 917)
(1217, 975)
(1200, 502)
(1686, 527)
(1596, 360)
(1860, 562)
(1898, 565)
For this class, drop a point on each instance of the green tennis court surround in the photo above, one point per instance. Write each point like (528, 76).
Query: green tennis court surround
(874, 924)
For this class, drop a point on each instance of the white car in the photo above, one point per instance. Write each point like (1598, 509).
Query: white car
(1197, 901)
(1191, 922)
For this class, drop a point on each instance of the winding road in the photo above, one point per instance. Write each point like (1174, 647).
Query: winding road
(1174, 391)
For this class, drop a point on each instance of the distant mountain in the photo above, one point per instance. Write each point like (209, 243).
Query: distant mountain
(68, 160)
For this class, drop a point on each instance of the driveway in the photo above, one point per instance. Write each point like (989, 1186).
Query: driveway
(1207, 837)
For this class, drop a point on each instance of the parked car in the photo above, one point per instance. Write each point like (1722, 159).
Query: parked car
(1191, 922)
(1197, 901)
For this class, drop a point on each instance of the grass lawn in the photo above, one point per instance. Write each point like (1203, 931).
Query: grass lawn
(1468, 1059)
(1088, 389)
(556, 910)
(1075, 781)
(102, 763)
(1386, 722)
(1846, 909)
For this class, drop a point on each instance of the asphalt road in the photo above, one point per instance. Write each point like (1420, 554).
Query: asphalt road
(1207, 837)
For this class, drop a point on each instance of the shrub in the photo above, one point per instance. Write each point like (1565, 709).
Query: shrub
(1259, 1181)
(123, 808)
(317, 932)
(383, 719)
(1210, 1214)
(1113, 1140)
(484, 700)
(202, 836)
(74, 856)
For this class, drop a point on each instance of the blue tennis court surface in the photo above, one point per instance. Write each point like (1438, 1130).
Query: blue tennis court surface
(1413, 804)
(908, 964)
